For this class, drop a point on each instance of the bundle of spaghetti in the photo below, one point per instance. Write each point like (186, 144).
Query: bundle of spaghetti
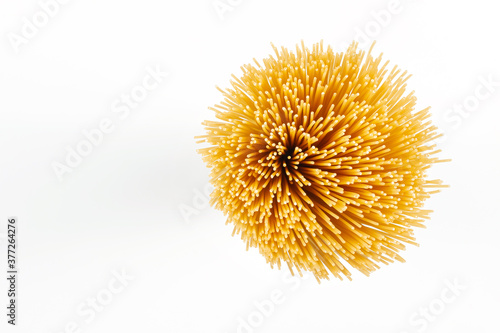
(319, 160)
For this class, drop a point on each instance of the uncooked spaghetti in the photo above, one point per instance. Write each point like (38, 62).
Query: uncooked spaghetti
(319, 160)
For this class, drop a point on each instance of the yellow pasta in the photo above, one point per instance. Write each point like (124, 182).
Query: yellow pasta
(319, 160)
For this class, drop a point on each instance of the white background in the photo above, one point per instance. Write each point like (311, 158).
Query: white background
(120, 208)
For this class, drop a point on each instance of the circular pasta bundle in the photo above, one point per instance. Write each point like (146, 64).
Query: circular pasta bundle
(319, 160)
